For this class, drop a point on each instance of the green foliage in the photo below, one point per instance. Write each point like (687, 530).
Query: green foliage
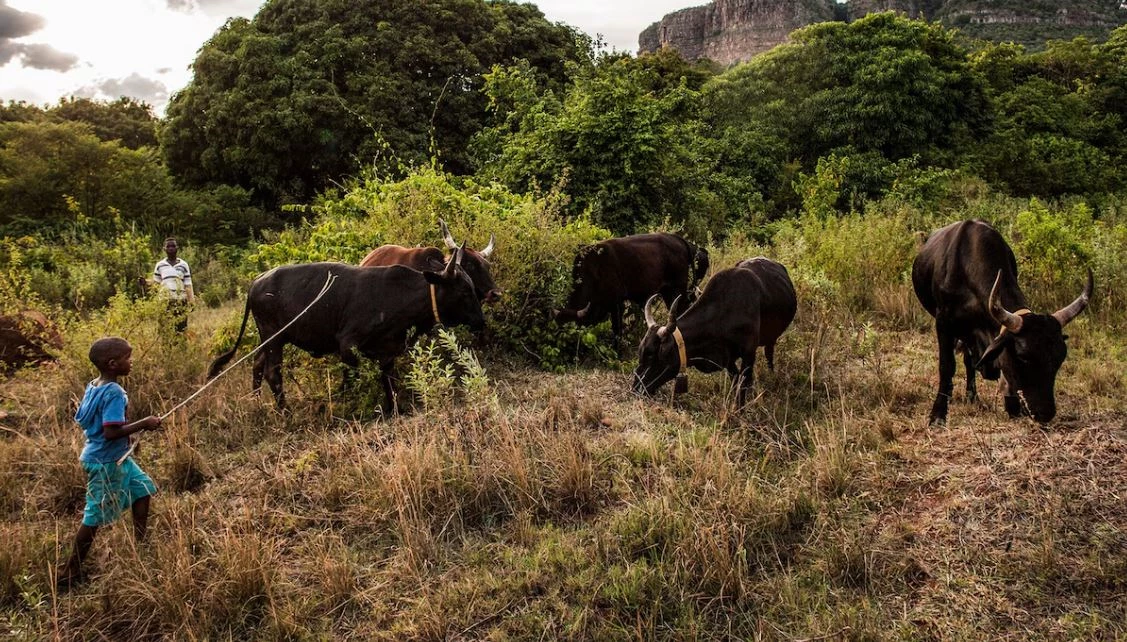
(532, 262)
(311, 90)
(441, 368)
(621, 141)
(126, 120)
(883, 87)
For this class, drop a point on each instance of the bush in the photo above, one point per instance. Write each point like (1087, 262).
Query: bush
(532, 263)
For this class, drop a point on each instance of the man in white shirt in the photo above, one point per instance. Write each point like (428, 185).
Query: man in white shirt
(175, 278)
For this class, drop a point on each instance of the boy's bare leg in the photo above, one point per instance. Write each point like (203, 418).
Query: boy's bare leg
(140, 510)
(83, 540)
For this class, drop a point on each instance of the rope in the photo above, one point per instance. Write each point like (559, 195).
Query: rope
(329, 280)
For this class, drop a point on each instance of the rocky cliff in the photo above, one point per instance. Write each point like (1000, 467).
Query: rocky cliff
(730, 31)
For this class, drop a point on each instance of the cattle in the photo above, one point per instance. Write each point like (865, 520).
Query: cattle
(633, 268)
(965, 275)
(741, 309)
(366, 310)
(475, 263)
(26, 337)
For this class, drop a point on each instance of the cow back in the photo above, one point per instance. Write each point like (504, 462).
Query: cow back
(955, 269)
(419, 258)
(632, 267)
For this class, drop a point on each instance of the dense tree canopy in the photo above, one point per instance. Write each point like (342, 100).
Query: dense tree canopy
(310, 90)
(622, 140)
(126, 120)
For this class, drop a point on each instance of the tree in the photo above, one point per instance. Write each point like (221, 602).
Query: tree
(127, 120)
(884, 86)
(307, 91)
(621, 141)
(1058, 127)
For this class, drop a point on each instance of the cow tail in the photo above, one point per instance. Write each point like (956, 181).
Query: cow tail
(220, 361)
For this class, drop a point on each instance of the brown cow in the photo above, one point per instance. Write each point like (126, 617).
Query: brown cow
(474, 263)
(26, 337)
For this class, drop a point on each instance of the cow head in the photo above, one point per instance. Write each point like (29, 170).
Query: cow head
(456, 298)
(476, 265)
(1030, 350)
(659, 359)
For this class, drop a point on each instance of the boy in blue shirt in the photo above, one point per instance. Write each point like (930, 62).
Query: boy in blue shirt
(110, 487)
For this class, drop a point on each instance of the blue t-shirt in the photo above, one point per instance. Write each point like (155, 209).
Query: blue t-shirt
(102, 405)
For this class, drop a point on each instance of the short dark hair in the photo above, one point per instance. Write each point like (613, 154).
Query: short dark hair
(172, 239)
(106, 349)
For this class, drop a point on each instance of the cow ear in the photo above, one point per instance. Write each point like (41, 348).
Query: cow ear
(994, 349)
(434, 278)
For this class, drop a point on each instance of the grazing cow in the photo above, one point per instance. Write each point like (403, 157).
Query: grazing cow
(632, 268)
(25, 337)
(741, 308)
(952, 276)
(367, 310)
(475, 263)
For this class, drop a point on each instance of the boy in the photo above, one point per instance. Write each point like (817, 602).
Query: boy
(109, 487)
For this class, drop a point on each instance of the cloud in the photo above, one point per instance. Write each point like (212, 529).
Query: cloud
(17, 24)
(39, 56)
(224, 8)
(153, 92)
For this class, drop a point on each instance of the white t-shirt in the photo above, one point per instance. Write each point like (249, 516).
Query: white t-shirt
(176, 279)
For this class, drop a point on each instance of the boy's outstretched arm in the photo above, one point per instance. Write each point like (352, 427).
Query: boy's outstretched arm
(152, 422)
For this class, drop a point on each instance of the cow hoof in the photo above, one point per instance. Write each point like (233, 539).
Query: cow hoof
(937, 422)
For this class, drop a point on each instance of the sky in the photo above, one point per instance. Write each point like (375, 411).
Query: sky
(100, 49)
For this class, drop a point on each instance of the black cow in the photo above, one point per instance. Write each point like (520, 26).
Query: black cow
(633, 268)
(369, 310)
(952, 276)
(474, 262)
(741, 308)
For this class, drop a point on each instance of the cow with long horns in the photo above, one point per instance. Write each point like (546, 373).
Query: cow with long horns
(741, 309)
(474, 262)
(633, 268)
(366, 310)
(966, 277)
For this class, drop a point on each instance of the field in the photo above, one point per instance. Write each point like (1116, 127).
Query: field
(560, 506)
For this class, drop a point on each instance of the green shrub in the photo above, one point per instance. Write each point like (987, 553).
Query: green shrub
(535, 247)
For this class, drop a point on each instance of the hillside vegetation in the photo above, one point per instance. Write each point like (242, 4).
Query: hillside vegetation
(512, 502)
(524, 492)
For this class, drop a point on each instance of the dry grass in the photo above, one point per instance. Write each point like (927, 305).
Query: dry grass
(562, 507)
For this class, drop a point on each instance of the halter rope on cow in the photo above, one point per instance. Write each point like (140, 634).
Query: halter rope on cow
(329, 279)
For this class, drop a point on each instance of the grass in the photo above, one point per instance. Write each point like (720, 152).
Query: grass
(563, 507)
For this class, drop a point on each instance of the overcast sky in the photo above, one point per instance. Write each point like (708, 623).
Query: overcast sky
(142, 48)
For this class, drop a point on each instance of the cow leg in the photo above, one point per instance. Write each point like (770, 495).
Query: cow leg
(968, 363)
(745, 378)
(769, 352)
(347, 355)
(616, 322)
(390, 378)
(256, 372)
(946, 375)
(272, 364)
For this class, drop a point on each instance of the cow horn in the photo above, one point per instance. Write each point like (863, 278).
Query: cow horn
(675, 309)
(460, 254)
(1068, 313)
(582, 313)
(450, 242)
(488, 249)
(1009, 320)
(650, 323)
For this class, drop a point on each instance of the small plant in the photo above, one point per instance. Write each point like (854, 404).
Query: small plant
(440, 368)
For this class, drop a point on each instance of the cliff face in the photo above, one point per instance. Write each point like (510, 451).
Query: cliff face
(730, 31)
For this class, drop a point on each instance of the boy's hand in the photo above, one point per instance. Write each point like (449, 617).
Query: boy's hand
(152, 422)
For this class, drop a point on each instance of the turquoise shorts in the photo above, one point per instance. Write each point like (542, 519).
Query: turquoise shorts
(110, 489)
